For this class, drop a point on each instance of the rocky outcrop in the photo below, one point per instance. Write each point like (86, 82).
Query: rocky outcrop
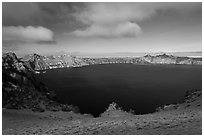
(35, 62)
(20, 89)
(169, 59)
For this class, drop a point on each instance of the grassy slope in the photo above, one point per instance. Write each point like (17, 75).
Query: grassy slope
(186, 119)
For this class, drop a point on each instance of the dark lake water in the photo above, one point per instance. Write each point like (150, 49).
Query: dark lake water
(140, 87)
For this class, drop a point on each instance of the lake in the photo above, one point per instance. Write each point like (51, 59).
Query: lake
(139, 87)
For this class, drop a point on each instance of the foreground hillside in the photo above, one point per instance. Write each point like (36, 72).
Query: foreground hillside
(20, 89)
(185, 118)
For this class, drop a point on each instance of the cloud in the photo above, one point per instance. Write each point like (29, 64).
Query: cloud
(122, 19)
(111, 20)
(55, 15)
(106, 13)
(20, 13)
(126, 29)
(26, 34)
(90, 17)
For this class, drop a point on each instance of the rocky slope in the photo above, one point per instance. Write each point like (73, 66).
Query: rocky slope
(21, 90)
(38, 62)
(176, 119)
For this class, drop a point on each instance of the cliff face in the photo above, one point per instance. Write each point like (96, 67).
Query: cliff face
(37, 62)
(20, 89)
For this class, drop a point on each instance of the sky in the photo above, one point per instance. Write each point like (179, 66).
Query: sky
(97, 28)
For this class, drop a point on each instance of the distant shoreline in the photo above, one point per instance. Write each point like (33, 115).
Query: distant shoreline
(118, 54)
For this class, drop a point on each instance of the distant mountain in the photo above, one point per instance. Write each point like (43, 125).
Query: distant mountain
(37, 62)
(130, 54)
(170, 59)
(20, 89)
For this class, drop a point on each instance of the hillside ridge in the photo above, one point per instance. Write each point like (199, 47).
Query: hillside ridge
(38, 62)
